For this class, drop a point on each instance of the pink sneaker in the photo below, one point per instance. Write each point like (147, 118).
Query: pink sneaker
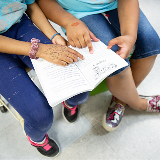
(153, 103)
(49, 148)
(113, 116)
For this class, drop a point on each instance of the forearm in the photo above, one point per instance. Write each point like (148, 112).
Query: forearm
(39, 19)
(56, 13)
(12, 46)
(128, 12)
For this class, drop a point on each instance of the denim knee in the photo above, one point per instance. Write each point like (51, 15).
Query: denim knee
(40, 121)
(78, 99)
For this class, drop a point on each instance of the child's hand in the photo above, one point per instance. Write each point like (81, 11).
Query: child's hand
(79, 35)
(59, 40)
(125, 44)
(58, 54)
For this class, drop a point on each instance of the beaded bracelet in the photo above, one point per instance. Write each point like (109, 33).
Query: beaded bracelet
(55, 35)
(34, 48)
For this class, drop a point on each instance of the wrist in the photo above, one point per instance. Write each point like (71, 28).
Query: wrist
(54, 36)
(34, 48)
(70, 21)
(40, 50)
(132, 34)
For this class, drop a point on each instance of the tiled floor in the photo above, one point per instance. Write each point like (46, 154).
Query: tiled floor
(137, 138)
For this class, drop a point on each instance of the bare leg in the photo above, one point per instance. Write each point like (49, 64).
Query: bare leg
(140, 69)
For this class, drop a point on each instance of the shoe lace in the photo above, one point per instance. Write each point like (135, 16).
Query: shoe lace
(73, 109)
(111, 117)
(46, 145)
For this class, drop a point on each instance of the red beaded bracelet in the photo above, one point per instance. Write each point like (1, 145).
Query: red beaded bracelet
(34, 48)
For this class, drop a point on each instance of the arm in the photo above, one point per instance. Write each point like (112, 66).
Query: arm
(78, 36)
(39, 19)
(55, 12)
(12, 46)
(128, 12)
(54, 53)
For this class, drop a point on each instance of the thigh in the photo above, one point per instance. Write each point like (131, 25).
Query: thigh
(15, 84)
(18, 89)
(148, 42)
(25, 31)
(103, 30)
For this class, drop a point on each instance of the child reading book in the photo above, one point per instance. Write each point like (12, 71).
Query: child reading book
(21, 40)
(120, 24)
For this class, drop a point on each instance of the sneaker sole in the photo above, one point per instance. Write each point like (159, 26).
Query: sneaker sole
(65, 117)
(105, 126)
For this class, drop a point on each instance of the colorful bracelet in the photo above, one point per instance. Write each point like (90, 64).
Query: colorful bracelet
(34, 48)
(55, 35)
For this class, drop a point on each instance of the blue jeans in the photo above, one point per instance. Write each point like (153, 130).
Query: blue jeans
(20, 91)
(147, 44)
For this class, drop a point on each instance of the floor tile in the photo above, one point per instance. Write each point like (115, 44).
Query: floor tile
(96, 106)
(151, 11)
(136, 138)
(6, 118)
(65, 133)
(156, 156)
(90, 146)
(14, 144)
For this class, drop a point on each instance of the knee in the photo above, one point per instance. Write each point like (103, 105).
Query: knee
(41, 120)
(78, 99)
(153, 57)
(83, 98)
(122, 75)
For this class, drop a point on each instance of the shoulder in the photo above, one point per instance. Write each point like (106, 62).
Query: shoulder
(10, 12)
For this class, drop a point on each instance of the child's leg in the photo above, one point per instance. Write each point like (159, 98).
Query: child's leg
(70, 108)
(105, 32)
(25, 97)
(142, 61)
(78, 99)
(122, 86)
(141, 68)
(21, 92)
(147, 47)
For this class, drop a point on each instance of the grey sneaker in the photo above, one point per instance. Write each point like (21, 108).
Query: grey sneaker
(113, 117)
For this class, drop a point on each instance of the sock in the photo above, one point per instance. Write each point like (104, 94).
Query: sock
(39, 142)
(67, 105)
(147, 106)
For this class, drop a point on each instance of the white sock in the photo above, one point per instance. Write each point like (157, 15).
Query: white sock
(67, 105)
(147, 105)
(39, 142)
